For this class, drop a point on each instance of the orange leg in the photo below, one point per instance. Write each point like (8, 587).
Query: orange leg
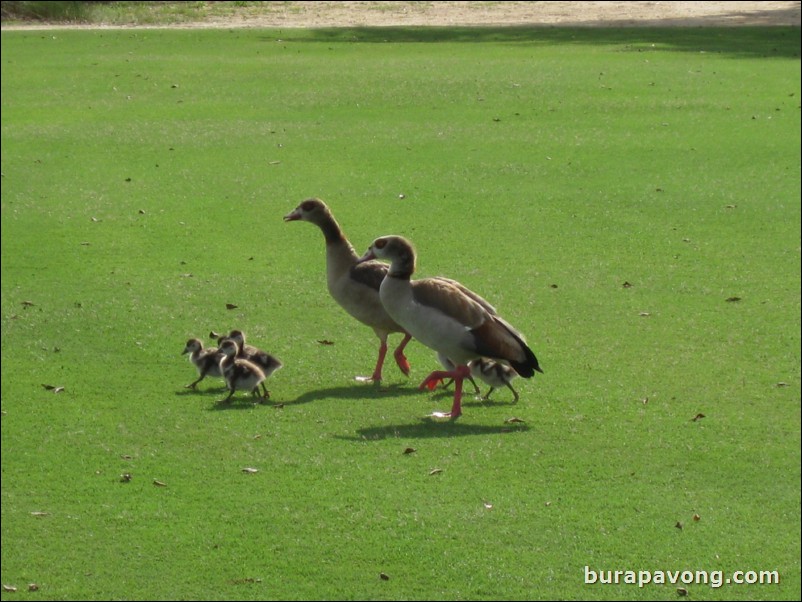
(459, 374)
(400, 358)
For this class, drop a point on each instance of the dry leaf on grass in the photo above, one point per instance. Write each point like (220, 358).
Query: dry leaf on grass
(410, 450)
(435, 471)
(249, 470)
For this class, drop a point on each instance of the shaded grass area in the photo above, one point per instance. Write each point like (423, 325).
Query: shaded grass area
(754, 41)
(613, 199)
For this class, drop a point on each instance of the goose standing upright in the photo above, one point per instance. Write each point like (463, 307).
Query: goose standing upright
(447, 317)
(354, 285)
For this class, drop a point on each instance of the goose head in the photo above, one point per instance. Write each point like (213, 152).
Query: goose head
(192, 346)
(229, 348)
(311, 210)
(395, 249)
(238, 337)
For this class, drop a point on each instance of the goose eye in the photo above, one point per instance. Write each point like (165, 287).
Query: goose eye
(308, 205)
(381, 243)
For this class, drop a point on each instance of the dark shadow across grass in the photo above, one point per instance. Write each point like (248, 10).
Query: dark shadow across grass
(355, 391)
(210, 391)
(740, 42)
(244, 403)
(428, 428)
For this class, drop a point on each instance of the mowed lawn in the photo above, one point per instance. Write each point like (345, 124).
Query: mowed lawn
(628, 199)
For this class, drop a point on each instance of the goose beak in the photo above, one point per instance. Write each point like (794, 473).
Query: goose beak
(367, 256)
(292, 216)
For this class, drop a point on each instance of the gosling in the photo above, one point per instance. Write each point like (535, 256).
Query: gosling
(240, 374)
(206, 361)
(267, 362)
(496, 374)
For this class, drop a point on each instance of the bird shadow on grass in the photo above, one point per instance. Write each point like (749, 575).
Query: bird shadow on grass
(240, 401)
(208, 391)
(355, 391)
(471, 399)
(243, 403)
(429, 428)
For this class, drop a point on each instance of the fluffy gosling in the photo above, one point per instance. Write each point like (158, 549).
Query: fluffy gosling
(240, 374)
(496, 374)
(267, 362)
(206, 361)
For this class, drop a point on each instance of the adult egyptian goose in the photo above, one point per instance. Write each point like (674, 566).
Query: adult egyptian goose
(448, 318)
(355, 286)
(267, 362)
(206, 361)
(496, 374)
(240, 374)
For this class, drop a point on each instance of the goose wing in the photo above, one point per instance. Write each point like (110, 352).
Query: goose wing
(369, 273)
(466, 291)
(447, 297)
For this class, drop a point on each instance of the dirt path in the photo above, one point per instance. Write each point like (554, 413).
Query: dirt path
(576, 14)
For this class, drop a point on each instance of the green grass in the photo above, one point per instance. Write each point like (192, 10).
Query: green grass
(144, 178)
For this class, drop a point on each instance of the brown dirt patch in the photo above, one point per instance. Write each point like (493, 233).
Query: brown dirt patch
(574, 14)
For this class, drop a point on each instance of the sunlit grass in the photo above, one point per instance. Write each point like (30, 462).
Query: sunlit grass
(628, 199)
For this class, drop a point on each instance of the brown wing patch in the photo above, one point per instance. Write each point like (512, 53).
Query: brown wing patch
(466, 291)
(496, 341)
(499, 340)
(370, 273)
(447, 297)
